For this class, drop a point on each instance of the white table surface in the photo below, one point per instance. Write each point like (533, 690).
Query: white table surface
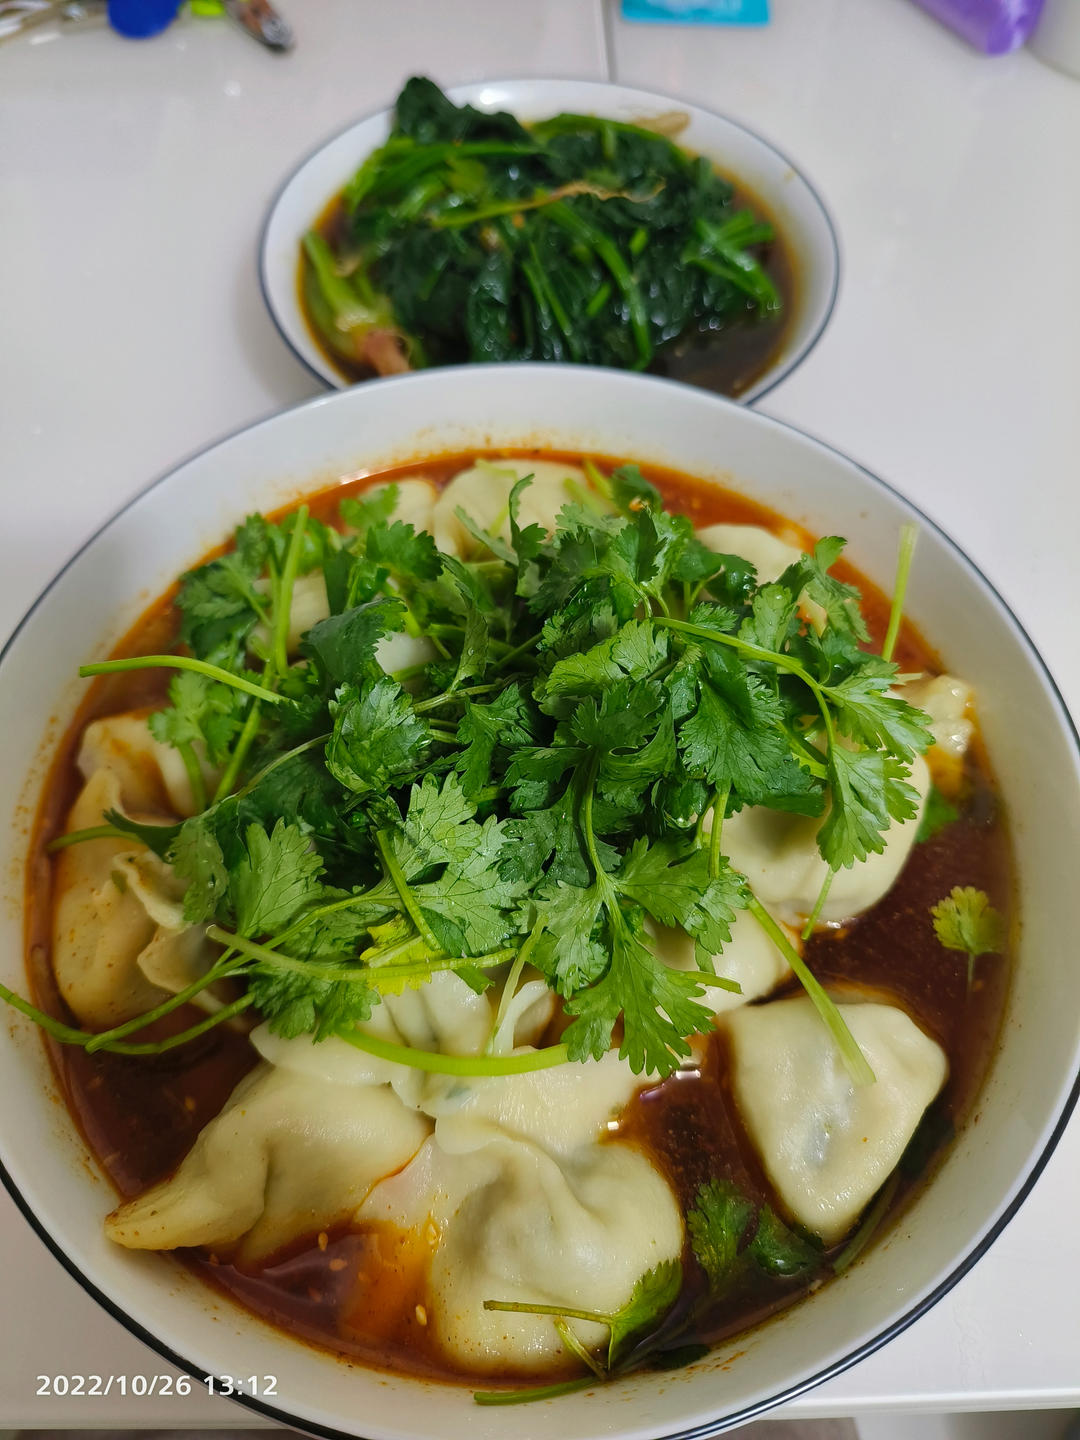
(133, 179)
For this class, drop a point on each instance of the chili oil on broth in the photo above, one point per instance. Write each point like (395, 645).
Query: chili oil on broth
(360, 1292)
(727, 361)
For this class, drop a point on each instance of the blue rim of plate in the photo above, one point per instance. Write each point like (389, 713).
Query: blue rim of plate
(784, 369)
(708, 1429)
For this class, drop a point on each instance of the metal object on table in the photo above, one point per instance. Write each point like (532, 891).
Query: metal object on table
(260, 20)
(18, 16)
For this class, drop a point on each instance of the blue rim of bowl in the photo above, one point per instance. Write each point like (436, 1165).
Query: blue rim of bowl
(784, 369)
(707, 1429)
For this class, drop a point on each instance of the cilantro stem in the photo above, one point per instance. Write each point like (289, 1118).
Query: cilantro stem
(103, 1038)
(92, 832)
(719, 807)
(577, 1349)
(513, 979)
(194, 774)
(819, 905)
(864, 1234)
(467, 1065)
(243, 744)
(436, 700)
(525, 646)
(66, 1034)
(279, 647)
(401, 885)
(371, 975)
(541, 1392)
(595, 1317)
(180, 662)
(282, 759)
(855, 1062)
(908, 537)
(158, 1047)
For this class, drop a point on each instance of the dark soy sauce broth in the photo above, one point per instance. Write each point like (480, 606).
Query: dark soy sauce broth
(361, 1293)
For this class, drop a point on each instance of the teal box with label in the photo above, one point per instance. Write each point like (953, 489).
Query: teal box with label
(698, 12)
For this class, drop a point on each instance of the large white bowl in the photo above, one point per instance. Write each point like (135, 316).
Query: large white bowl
(739, 153)
(1033, 745)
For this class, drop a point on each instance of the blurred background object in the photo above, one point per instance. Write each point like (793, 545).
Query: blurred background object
(993, 26)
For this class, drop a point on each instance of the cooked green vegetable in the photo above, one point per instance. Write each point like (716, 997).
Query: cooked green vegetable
(469, 236)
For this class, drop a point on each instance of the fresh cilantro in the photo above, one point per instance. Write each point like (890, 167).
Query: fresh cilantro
(728, 1231)
(278, 874)
(196, 858)
(717, 1224)
(378, 738)
(541, 782)
(344, 645)
(966, 921)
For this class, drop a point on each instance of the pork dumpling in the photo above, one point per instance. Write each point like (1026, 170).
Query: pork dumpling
(778, 854)
(151, 776)
(947, 701)
(290, 1154)
(483, 492)
(749, 957)
(828, 1144)
(120, 944)
(415, 500)
(528, 1206)
(99, 928)
(767, 553)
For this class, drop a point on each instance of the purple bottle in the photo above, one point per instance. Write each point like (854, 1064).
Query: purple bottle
(993, 26)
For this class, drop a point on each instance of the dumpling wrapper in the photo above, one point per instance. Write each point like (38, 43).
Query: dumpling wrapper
(528, 1206)
(778, 854)
(767, 553)
(483, 492)
(749, 957)
(151, 776)
(119, 941)
(826, 1143)
(290, 1154)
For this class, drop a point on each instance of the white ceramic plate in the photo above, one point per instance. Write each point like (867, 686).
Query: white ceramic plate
(1022, 1109)
(738, 152)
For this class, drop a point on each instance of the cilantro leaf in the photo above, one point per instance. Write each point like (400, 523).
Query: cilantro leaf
(372, 507)
(632, 653)
(867, 714)
(343, 646)
(200, 711)
(676, 889)
(295, 1002)
(659, 1008)
(937, 814)
(403, 550)
(277, 875)
(966, 921)
(196, 858)
(717, 1224)
(839, 601)
(869, 790)
(652, 1297)
(778, 1250)
(507, 722)
(378, 739)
